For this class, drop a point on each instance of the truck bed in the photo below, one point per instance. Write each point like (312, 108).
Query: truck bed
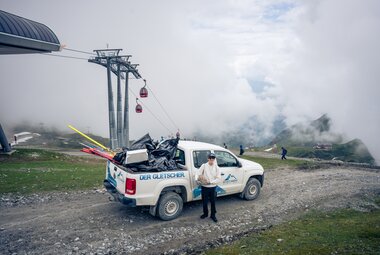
(129, 170)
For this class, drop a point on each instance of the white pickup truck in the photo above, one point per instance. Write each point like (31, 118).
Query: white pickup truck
(165, 192)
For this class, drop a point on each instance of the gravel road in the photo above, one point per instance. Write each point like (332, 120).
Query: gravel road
(89, 223)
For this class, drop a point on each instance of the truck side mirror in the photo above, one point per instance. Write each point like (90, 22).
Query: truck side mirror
(239, 164)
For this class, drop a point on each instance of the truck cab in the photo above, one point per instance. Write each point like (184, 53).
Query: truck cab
(165, 192)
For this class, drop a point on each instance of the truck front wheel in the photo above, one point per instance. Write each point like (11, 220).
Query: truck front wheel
(170, 206)
(252, 189)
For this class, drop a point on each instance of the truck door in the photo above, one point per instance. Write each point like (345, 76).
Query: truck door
(199, 158)
(232, 175)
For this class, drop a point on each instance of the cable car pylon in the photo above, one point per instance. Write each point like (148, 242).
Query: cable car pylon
(121, 67)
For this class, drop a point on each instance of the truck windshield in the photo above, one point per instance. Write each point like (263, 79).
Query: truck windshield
(200, 157)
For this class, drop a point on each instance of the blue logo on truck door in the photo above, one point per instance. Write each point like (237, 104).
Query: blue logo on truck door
(158, 176)
(230, 178)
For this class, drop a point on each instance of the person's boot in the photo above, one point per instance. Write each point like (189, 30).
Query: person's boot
(213, 217)
(203, 216)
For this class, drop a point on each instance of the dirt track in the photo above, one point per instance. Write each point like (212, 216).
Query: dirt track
(87, 222)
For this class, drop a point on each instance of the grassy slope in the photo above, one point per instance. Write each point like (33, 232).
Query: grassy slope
(33, 170)
(340, 232)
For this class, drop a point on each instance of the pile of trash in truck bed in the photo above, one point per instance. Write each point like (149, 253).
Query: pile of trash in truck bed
(143, 155)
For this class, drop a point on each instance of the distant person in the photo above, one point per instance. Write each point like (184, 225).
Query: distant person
(15, 137)
(284, 152)
(241, 150)
(162, 139)
(225, 146)
(178, 134)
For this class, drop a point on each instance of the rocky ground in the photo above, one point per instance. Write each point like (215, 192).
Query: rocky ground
(90, 223)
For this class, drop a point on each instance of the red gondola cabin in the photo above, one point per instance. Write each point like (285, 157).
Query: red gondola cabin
(143, 92)
(139, 108)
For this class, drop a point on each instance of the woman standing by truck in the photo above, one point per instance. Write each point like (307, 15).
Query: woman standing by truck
(209, 176)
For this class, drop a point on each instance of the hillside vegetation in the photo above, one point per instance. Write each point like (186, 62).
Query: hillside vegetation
(300, 140)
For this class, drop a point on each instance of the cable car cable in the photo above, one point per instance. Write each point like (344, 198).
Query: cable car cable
(62, 56)
(155, 97)
(151, 112)
(162, 107)
(79, 51)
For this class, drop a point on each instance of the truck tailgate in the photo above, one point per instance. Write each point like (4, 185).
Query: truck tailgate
(116, 176)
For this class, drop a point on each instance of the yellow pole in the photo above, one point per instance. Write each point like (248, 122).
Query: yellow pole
(89, 138)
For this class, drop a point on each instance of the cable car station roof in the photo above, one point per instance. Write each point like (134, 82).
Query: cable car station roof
(19, 35)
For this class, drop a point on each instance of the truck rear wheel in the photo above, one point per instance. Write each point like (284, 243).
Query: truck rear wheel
(252, 189)
(169, 206)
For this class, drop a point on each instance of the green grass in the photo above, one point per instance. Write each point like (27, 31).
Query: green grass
(32, 170)
(272, 163)
(340, 232)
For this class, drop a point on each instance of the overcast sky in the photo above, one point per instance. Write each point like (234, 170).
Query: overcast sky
(212, 64)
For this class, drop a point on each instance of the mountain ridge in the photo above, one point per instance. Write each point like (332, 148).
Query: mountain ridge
(316, 140)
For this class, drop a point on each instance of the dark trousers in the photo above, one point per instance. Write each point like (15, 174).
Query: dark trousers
(283, 156)
(208, 194)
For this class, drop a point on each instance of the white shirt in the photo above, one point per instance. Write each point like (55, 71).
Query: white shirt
(212, 174)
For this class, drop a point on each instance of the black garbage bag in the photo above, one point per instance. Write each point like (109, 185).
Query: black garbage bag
(145, 142)
(166, 149)
(171, 164)
(161, 157)
(156, 165)
(120, 157)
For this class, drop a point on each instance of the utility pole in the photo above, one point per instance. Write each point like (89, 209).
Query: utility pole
(119, 65)
(126, 112)
(111, 108)
(120, 139)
